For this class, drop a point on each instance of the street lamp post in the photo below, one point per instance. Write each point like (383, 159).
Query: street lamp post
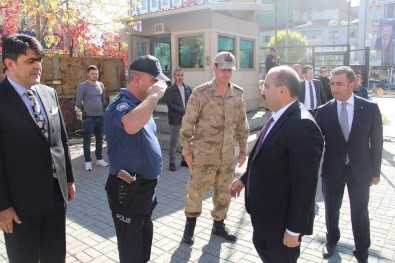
(348, 57)
(275, 22)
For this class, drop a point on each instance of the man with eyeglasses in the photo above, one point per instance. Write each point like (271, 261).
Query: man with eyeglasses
(135, 158)
(326, 82)
(282, 172)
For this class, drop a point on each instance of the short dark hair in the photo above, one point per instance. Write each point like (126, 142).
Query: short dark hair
(17, 45)
(91, 67)
(305, 68)
(350, 75)
(4, 70)
(286, 76)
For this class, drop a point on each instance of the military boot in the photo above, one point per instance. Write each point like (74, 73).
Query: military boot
(220, 229)
(188, 231)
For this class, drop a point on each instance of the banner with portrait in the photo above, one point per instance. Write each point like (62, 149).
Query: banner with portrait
(385, 41)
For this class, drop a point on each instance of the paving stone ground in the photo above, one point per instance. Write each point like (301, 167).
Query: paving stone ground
(91, 235)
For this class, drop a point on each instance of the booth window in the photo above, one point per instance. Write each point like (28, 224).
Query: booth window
(154, 5)
(226, 44)
(143, 7)
(246, 54)
(165, 4)
(190, 51)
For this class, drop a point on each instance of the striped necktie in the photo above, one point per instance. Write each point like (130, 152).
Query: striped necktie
(37, 113)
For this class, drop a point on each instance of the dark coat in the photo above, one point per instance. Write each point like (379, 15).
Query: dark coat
(362, 92)
(176, 109)
(326, 85)
(26, 156)
(364, 146)
(283, 176)
(270, 62)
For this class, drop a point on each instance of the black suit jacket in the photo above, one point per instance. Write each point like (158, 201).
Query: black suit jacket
(174, 103)
(270, 62)
(283, 176)
(26, 176)
(326, 85)
(319, 92)
(364, 146)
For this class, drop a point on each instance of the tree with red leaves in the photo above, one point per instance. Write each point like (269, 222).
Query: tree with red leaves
(69, 27)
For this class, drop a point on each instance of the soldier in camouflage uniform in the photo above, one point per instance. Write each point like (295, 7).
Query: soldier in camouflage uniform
(214, 122)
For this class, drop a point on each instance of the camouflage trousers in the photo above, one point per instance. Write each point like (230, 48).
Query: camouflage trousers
(206, 177)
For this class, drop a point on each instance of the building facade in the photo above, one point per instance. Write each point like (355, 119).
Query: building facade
(189, 34)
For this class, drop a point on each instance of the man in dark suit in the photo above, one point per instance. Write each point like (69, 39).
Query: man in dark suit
(312, 93)
(35, 169)
(326, 82)
(282, 172)
(353, 149)
(177, 96)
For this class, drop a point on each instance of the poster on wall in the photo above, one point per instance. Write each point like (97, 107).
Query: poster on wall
(385, 41)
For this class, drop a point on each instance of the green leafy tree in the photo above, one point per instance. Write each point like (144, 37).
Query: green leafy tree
(294, 39)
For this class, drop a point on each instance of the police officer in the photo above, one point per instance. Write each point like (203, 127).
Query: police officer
(135, 158)
(215, 118)
(271, 60)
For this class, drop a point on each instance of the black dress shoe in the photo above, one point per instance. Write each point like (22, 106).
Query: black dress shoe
(184, 163)
(172, 167)
(362, 261)
(327, 250)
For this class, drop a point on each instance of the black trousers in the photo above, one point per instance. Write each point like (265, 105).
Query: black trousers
(132, 211)
(359, 199)
(274, 251)
(40, 238)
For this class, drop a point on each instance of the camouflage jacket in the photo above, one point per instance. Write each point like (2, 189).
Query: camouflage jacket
(213, 125)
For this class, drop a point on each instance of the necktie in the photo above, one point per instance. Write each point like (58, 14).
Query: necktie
(40, 120)
(258, 146)
(311, 95)
(262, 136)
(343, 119)
(37, 114)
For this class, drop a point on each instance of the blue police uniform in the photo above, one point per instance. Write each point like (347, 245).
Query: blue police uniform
(132, 204)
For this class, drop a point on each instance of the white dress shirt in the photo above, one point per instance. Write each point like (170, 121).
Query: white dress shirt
(307, 95)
